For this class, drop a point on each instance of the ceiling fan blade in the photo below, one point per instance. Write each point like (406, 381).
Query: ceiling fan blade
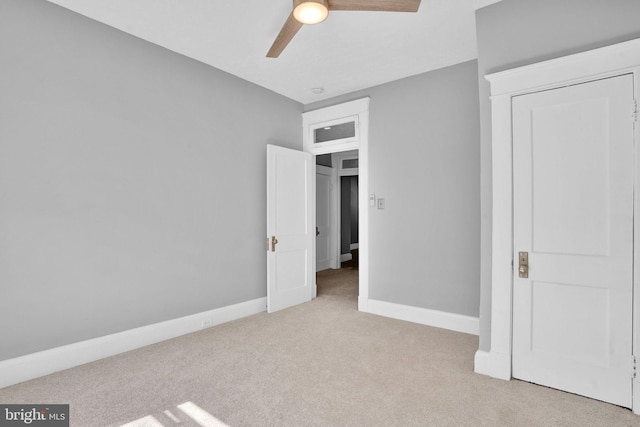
(376, 5)
(289, 29)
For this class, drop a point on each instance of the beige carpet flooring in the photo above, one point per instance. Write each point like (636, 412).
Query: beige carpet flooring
(322, 363)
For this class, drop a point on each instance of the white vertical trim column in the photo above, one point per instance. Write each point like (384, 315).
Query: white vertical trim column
(502, 240)
(635, 385)
(363, 211)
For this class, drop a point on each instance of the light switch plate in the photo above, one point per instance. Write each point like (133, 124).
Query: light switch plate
(380, 203)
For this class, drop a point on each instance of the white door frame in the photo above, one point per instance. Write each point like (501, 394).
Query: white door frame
(337, 165)
(622, 58)
(357, 110)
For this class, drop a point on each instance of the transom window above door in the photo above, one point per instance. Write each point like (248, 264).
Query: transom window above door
(336, 128)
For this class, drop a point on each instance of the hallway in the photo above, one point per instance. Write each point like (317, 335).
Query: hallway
(342, 283)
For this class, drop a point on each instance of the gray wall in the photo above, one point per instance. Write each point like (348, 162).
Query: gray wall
(424, 160)
(519, 32)
(132, 189)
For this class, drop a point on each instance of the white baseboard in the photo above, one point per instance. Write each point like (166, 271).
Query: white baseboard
(493, 364)
(425, 316)
(24, 368)
(363, 304)
(345, 257)
(482, 363)
(635, 403)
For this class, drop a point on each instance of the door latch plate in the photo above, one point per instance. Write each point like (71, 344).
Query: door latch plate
(523, 265)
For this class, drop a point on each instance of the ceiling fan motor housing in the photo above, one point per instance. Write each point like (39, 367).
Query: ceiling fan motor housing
(310, 11)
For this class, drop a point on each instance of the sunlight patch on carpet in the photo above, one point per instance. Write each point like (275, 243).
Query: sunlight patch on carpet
(190, 409)
(148, 421)
(200, 416)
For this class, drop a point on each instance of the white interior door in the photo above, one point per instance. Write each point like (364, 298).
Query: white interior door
(324, 181)
(290, 227)
(573, 215)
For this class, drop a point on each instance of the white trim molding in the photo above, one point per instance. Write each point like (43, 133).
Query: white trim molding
(636, 395)
(345, 257)
(610, 61)
(594, 64)
(311, 120)
(30, 366)
(492, 364)
(482, 363)
(425, 316)
(356, 112)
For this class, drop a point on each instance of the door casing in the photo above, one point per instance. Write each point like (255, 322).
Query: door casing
(610, 61)
(358, 109)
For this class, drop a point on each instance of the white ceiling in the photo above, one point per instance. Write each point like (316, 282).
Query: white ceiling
(347, 52)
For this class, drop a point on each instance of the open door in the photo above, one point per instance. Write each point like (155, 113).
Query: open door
(290, 227)
(325, 251)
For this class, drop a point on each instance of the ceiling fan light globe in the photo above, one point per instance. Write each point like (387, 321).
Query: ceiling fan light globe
(311, 11)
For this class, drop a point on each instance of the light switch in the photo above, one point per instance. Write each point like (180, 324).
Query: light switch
(372, 200)
(380, 203)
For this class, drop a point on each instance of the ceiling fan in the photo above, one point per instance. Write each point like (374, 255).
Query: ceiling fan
(316, 11)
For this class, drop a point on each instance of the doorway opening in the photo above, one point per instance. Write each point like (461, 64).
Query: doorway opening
(337, 224)
(338, 129)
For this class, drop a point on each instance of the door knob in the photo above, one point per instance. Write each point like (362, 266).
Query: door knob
(274, 242)
(317, 232)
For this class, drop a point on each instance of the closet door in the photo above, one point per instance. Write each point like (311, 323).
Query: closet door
(573, 238)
